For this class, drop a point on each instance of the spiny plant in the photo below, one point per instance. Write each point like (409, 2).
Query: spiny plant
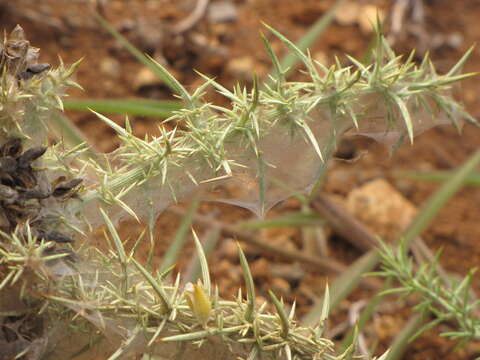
(446, 298)
(244, 146)
(62, 300)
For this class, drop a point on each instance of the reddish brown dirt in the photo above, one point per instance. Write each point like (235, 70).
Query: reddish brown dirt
(229, 51)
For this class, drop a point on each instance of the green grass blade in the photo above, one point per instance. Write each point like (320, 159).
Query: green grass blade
(155, 67)
(170, 257)
(343, 286)
(290, 61)
(140, 107)
(440, 198)
(364, 317)
(472, 179)
(348, 281)
(400, 343)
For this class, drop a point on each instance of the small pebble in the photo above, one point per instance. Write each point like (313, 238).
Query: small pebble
(381, 207)
(455, 40)
(222, 11)
(348, 14)
(110, 66)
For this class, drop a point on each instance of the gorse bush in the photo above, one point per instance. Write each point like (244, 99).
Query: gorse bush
(448, 299)
(254, 144)
(61, 298)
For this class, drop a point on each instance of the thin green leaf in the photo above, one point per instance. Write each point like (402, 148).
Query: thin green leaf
(366, 314)
(313, 34)
(155, 67)
(139, 107)
(440, 198)
(472, 179)
(459, 65)
(400, 343)
(116, 238)
(209, 244)
(120, 130)
(343, 286)
(405, 114)
(170, 257)
(203, 264)
(250, 286)
(157, 287)
(295, 50)
(281, 313)
(277, 73)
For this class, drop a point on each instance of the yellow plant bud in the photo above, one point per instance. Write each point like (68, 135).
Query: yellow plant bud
(198, 302)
